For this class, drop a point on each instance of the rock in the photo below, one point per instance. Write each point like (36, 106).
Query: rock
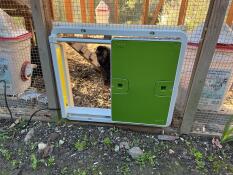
(135, 152)
(41, 146)
(117, 148)
(23, 131)
(61, 142)
(171, 151)
(167, 137)
(124, 145)
(29, 135)
(47, 151)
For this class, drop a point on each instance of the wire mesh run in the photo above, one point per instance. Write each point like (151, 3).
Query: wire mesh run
(188, 16)
(19, 60)
(216, 103)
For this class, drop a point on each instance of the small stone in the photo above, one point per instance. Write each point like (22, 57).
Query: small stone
(135, 152)
(61, 142)
(73, 155)
(124, 145)
(56, 129)
(47, 151)
(181, 139)
(117, 148)
(23, 131)
(167, 137)
(29, 135)
(156, 141)
(41, 146)
(171, 151)
(117, 139)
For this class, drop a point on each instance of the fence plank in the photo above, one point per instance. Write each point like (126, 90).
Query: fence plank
(182, 13)
(92, 11)
(83, 11)
(210, 34)
(116, 11)
(157, 11)
(68, 10)
(144, 18)
(43, 24)
(229, 19)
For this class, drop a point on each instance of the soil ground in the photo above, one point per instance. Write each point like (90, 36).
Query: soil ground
(92, 150)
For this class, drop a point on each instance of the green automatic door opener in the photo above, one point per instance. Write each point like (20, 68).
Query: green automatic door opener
(145, 68)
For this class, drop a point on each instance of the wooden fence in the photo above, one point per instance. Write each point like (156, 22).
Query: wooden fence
(69, 11)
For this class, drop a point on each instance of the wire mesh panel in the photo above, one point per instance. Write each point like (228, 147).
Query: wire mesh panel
(173, 14)
(215, 105)
(20, 66)
(160, 12)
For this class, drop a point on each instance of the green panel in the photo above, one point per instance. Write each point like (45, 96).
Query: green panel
(143, 74)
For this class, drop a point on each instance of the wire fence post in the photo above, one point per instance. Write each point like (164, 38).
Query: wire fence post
(209, 39)
(43, 24)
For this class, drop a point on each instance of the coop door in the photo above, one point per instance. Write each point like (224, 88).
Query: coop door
(143, 76)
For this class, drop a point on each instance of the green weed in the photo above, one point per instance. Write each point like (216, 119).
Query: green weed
(107, 141)
(79, 172)
(51, 161)
(210, 158)
(64, 171)
(219, 165)
(5, 153)
(34, 162)
(227, 135)
(15, 163)
(3, 136)
(146, 158)
(124, 170)
(33, 146)
(81, 145)
(198, 156)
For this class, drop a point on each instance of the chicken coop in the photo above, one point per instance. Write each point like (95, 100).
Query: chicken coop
(86, 87)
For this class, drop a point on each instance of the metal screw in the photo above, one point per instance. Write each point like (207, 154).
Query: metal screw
(83, 30)
(152, 33)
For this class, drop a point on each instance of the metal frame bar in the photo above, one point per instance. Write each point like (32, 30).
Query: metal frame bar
(146, 34)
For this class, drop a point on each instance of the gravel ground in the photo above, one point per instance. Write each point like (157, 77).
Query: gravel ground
(91, 150)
